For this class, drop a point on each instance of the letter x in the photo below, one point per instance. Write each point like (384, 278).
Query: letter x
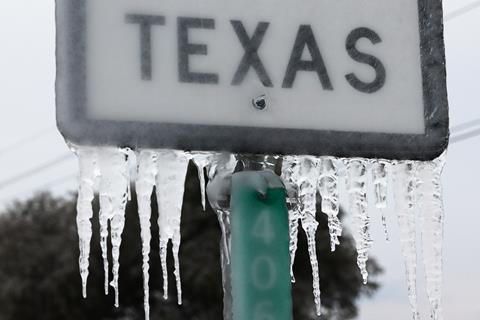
(251, 58)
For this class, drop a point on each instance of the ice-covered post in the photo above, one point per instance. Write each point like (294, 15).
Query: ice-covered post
(260, 260)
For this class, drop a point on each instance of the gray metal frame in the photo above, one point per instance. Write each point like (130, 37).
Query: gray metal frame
(73, 124)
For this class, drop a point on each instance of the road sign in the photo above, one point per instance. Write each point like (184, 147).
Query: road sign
(320, 77)
(260, 268)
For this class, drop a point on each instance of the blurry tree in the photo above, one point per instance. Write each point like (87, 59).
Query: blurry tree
(39, 277)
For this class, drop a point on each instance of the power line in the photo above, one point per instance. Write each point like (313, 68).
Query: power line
(36, 170)
(25, 141)
(462, 11)
(57, 181)
(464, 136)
(44, 186)
(457, 130)
(465, 125)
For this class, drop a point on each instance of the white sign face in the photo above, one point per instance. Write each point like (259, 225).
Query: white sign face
(278, 71)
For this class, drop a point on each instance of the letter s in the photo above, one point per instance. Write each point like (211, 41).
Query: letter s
(375, 63)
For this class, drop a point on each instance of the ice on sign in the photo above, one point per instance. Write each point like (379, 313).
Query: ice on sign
(266, 76)
(415, 185)
(344, 92)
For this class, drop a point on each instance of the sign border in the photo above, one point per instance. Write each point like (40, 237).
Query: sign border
(71, 93)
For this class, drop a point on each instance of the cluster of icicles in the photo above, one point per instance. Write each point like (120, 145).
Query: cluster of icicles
(416, 188)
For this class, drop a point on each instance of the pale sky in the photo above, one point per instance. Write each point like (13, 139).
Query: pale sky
(27, 67)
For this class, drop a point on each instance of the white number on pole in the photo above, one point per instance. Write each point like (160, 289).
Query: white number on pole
(264, 273)
(263, 228)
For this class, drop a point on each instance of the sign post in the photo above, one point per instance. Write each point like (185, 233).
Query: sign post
(260, 260)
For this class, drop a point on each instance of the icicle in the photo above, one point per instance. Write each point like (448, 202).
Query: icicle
(87, 179)
(104, 217)
(114, 183)
(356, 171)
(219, 173)
(301, 174)
(307, 202)
(328, 188)
(163, 262)
(288, 176)
(310, 225)
(404, 189)
(293, 231)
(380, 184)
(170, 186)
(201, 161)
(432, 217)
(220, 164)
(147, 171)
(223, 216)
(258, 162)
(176, 259)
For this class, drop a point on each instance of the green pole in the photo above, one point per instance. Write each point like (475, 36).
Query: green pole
(260, 268)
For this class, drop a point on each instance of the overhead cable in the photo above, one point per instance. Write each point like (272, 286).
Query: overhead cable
(36, 170)
(462, 11)
(26, 141)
